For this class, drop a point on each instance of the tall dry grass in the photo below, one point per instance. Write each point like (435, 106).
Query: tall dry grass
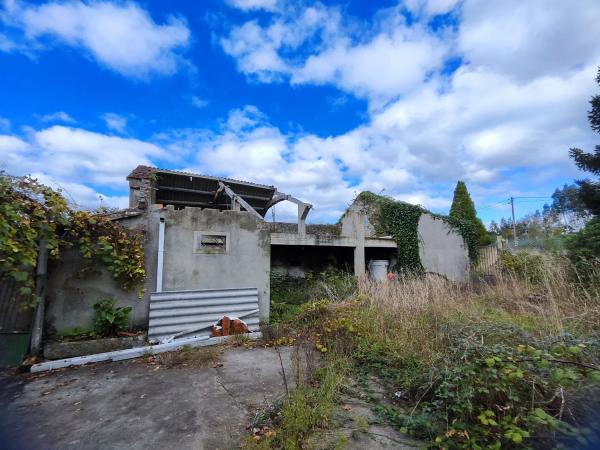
(412, 315)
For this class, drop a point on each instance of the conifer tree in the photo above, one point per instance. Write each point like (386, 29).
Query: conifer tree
(589, 190)
(463, 208)
(586, 243)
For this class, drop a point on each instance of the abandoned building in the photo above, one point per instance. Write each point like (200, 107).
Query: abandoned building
(210, 251)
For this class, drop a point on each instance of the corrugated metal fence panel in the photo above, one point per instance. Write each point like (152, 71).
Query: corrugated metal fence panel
(14, 318)
(487, 262)
(173, 312)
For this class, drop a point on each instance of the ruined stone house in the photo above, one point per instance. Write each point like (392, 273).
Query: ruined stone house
(207, 237)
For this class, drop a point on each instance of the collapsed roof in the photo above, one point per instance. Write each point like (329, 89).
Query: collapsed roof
(176, 188)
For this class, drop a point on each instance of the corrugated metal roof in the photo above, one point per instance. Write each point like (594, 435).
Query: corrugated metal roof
(143, 172)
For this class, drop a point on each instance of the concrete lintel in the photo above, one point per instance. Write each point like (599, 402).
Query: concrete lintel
(311, 239)
(380, 243)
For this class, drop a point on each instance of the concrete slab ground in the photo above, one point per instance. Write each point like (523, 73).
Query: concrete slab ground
(136, 405)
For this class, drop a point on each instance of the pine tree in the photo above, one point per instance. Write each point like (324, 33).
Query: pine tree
(585, 244)
(463, 208)
(589, 190)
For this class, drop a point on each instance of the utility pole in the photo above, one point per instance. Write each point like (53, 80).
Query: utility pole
(512, 207)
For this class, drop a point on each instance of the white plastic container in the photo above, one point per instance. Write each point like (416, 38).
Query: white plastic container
(378, 269)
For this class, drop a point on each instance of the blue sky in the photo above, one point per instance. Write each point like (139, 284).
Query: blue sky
(321, 99)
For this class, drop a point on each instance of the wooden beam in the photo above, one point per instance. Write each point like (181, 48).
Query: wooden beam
(191, 191)
(203, 204)
(211, 193)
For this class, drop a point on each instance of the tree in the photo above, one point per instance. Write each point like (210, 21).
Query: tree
(463, 208)
(567, 204)
(589, 190)
(586, 243)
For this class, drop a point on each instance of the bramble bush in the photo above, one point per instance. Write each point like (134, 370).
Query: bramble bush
(515, 364)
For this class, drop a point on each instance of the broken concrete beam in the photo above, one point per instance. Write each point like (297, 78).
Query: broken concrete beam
(137, 352)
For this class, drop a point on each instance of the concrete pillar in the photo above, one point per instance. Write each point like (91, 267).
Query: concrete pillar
(359, 260)
(359, 251)
(235, 206)
(303, 209)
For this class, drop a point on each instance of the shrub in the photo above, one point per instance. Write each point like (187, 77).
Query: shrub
(287, 294)
(110, 319)
(497, 395)
(526, 265)
(585, 244)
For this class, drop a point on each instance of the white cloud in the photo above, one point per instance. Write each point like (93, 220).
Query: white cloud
(120, 36)
(530, 39)
(199, 102)
(115, 122)
(11, 144)
(82, 196)
(78, 160)
(386, 66)
(431, 7)
(250, 5)
(58, 116)
(378, 60)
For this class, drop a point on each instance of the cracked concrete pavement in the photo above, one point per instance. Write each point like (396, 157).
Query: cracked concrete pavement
(134, 405)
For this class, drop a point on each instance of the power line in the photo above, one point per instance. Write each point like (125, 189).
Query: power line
(547, 198)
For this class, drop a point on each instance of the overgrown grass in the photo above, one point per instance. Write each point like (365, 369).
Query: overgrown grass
(288, 293)
(490, 365)
(308, 407)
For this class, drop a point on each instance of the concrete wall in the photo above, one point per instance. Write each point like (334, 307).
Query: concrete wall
(442, 249)
(246, 263)
(70, 296)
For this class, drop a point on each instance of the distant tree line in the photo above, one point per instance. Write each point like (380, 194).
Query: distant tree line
(566, 214)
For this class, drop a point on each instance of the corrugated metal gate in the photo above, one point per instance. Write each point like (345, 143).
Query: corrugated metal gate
(174, 312)
(15, 323)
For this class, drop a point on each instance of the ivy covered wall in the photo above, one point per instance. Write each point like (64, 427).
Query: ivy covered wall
(390, 217)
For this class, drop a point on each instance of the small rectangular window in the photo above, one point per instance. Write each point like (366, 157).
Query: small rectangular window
(214, 242)
(211, 242)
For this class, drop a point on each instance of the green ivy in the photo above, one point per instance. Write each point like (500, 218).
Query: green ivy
(31, 212)
(401, 221)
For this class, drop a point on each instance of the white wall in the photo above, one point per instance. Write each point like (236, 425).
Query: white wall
(442, 249)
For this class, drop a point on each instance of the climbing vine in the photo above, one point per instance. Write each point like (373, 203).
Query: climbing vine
(31, 212)
(401, 221)
(108, 243)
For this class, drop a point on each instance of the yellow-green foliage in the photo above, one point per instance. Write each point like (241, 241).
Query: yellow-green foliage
(480, 367)
(31, 212)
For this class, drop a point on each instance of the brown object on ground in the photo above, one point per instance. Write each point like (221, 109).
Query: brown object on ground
(227, 326)
(28, 362)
